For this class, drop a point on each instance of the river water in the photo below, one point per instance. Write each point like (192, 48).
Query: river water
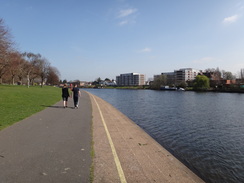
(203, 130)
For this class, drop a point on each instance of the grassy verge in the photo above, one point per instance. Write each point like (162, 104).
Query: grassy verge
(19, 102)
(92, 152)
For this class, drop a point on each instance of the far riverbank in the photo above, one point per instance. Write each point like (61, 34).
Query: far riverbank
(146, 87)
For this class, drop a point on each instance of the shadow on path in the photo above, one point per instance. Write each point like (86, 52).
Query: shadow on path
(55, 106)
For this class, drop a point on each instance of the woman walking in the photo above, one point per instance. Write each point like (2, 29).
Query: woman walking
(65, 95)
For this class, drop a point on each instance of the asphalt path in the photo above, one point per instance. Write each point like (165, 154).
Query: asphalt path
(50, 146)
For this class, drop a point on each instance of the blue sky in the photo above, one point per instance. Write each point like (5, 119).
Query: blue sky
(87, 39)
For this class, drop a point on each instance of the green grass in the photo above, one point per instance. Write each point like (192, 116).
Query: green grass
(19, 102)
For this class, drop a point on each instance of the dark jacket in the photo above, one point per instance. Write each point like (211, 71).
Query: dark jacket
(65, 92)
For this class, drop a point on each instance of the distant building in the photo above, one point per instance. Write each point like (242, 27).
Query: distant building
(187, 74)
(179, 76)
(109, 83)
(156, 76)
(170, 77)
(130, 79)
(82, 83)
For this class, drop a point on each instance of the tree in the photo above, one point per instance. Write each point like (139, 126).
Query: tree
(98, 80)
(53, 76)
(5, 41)
(14, 65)
(242, 75)
(215, 75)
(21, 69)
(107, 79)
(43, 69)
(5, 46)
(4, 63)
(227, 75)
(201, 82)
(31, 65)
(158, 82)
(182, 84)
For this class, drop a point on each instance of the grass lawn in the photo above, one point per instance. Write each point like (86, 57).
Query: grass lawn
(19, 102)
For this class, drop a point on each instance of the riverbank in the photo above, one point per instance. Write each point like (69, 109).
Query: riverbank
(228, 90)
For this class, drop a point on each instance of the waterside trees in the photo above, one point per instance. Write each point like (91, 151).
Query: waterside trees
(158, 82)
(201, 82)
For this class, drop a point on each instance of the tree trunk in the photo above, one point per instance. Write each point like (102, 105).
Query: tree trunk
(28, 80)
(20, 80)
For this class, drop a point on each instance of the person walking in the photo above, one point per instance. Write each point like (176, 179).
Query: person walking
(65, 95)
(76, 95)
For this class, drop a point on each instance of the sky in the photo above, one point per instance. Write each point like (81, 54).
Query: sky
(87, 39)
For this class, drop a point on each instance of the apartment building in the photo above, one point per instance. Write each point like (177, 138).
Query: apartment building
(130, 79)
(187, 74)
(170, 77)
(181, 75)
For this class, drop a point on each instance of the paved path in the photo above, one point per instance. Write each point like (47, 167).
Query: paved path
(48, 147)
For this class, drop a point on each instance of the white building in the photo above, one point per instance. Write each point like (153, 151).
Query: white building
(187, 74)
(130, 79)
(181, 75)
(109, 83)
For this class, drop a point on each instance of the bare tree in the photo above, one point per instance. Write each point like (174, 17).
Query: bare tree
(21, 69)
(4, 63)
(227, 75)
(5, 38)
(14, 65)
(53, 76)
(159, 81)
(44, 68)
(31, 65)
(241, 75)
(5, 45)
(215, 76)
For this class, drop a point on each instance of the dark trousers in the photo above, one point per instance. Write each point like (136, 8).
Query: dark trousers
(75, 101)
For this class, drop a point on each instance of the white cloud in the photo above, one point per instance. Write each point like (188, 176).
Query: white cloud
(127, 16)
(231, 19)
(123, 23)
(145, 50)
(205, 60)
(127, 12)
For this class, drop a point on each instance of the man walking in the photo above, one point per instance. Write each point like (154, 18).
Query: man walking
(76, 95)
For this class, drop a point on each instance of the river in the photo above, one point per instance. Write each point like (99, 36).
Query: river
(203, 130)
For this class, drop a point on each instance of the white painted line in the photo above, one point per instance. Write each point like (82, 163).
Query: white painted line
(116, 159)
